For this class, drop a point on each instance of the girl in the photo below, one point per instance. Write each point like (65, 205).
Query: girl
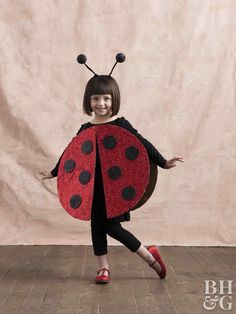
(102, 100)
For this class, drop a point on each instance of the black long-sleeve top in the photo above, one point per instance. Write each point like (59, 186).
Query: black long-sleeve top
(153, 153)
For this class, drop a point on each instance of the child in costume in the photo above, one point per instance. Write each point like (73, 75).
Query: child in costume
(102, 97)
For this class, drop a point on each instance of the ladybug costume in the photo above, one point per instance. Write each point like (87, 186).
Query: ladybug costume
(129, 171)
(106, 171)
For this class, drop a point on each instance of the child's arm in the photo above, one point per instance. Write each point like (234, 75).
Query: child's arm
(153, 153)
(171, 162)
(53, 173)
(45, 175)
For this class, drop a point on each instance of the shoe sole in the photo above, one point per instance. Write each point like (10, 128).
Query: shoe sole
(101, 282)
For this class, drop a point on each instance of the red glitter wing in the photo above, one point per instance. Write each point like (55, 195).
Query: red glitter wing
(125, 168)
(78, 165)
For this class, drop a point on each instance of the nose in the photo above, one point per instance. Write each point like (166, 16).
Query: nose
(101, 101)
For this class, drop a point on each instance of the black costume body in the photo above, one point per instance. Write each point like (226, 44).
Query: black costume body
(100, 224)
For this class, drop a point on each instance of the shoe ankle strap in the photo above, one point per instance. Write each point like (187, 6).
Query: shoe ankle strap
(151, 265)
(103, 269)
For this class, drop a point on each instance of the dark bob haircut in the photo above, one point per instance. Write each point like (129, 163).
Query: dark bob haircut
(102, 84)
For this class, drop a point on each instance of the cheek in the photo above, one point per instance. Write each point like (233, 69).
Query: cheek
(92, 105)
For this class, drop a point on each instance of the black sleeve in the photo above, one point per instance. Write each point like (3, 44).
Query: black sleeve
(54, 172)
(153, 153)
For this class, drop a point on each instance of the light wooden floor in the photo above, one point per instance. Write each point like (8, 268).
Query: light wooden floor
(60, 279)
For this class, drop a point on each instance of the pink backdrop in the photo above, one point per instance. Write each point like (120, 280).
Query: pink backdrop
(178, 90)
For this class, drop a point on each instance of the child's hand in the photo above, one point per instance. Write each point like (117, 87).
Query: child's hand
(171, 163)
(45, 175)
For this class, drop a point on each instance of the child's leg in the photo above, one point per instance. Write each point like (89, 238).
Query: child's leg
(102, 261)
(116, 231)
(148, 257)
(99, 240)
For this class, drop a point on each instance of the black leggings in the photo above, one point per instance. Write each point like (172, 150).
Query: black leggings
(100, 227)
(99, 233)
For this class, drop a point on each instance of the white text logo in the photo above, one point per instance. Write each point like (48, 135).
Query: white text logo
(221, 294)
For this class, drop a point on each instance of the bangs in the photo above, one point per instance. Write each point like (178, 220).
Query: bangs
(101, 85)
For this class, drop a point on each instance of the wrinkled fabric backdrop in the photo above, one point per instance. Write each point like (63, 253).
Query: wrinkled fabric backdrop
(177, 88)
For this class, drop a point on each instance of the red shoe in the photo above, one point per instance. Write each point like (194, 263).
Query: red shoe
(156, 254)
(103, 278)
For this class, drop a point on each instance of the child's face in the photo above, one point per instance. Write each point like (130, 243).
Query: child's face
(101, 105)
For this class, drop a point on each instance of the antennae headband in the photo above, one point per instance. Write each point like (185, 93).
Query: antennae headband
(120, 58)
